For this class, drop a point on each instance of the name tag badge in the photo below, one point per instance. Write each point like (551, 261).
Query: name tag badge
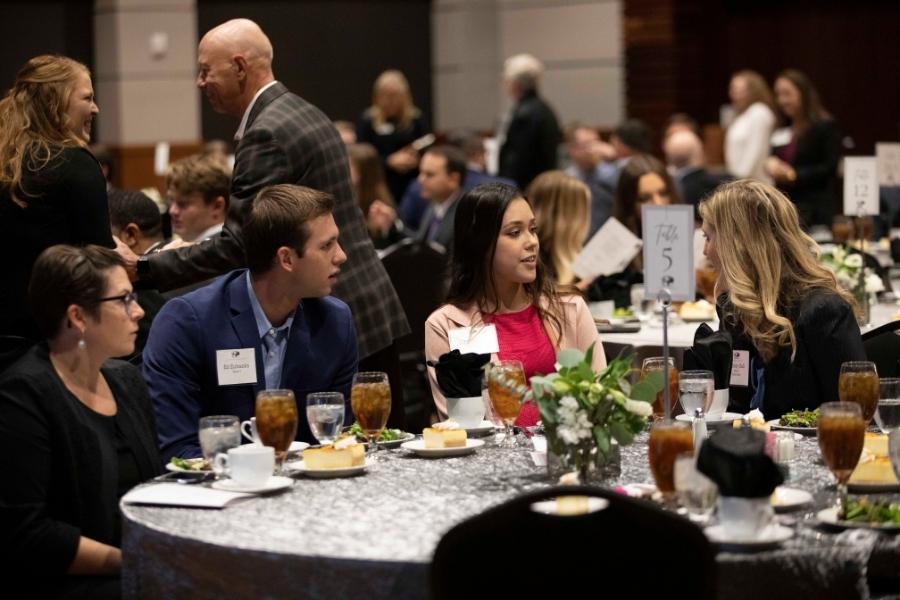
(236, 366)
(740, 368)
(477, 340)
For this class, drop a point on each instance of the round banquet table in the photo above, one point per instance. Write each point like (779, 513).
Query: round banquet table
(375, 534)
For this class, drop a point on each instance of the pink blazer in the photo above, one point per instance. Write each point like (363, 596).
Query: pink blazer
(578, 331)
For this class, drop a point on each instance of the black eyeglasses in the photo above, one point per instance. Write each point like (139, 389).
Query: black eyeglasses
(127, 299)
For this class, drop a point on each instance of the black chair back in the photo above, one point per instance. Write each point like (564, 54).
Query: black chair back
(11, 348)
(418, 271)
(882, 346)
(514, 551)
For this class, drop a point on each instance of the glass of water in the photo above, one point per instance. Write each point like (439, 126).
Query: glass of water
(696, 492)
(696, 390)
(218, 434)
(887, 414)
(325, 415)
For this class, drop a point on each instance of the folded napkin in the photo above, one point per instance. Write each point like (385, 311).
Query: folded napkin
(459, 375)
(712, 351)
(735, 459)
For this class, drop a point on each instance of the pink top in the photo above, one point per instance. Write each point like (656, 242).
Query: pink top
(522, 337)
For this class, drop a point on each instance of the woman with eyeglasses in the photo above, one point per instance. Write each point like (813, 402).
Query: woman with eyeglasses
(77, 429)
(52, 190)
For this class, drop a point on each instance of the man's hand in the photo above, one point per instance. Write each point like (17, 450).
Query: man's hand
(403, 160)
(129, 257)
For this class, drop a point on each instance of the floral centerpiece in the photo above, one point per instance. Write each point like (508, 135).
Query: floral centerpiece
(850, 273)
(585, 414)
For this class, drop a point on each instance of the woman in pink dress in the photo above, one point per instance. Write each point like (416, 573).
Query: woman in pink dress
(498, 281)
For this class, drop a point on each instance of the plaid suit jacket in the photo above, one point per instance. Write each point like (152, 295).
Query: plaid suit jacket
(288, 140)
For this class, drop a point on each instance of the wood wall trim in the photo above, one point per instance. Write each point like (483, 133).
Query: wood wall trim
(133, 168)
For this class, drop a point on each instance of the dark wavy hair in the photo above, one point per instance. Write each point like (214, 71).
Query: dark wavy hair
(479, 217)
(626, 206)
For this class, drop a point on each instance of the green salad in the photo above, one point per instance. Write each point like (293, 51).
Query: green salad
(863, 510)
(190, 464)
(623, 312)
(387, 435)
(800, 418)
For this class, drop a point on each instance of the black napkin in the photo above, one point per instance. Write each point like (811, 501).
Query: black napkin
(459, 375)
(736, 460)
(711, 352)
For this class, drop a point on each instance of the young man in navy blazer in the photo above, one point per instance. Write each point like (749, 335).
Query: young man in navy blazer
(269, 326)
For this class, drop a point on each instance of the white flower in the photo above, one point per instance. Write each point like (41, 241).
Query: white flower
(569, 402)
(567, 434)
(873, 283)
(853, 261)
(643, 409)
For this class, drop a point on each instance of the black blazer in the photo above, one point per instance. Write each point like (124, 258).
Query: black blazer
(51, 468)
(531, 141)
(827, 335)
(815, 161)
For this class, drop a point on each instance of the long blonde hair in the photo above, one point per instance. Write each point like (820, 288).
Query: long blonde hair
(767, 262)
(757, 89)
(392, 78)
(563, 217)
(35, 127)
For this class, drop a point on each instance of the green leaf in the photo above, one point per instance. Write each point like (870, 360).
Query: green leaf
(602, 438)
(646, 389)
(621, 433)
(570, 357)
(589, 355)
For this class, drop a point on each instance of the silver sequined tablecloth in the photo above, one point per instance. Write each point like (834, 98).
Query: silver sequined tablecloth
(374, 535)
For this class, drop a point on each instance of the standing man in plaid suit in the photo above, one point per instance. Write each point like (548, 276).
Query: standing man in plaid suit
(284, 139)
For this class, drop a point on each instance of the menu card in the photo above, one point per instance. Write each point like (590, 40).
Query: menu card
(179, 494)
(608, 252)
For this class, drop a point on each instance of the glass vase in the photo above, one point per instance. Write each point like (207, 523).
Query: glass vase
(591, 466)
(865, 307)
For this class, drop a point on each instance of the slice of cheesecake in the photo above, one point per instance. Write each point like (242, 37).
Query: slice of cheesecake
(340, 455)
(447, 434)
(873, 469)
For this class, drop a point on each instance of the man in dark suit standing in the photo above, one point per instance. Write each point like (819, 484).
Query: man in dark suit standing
(284, 139)
(532, 134)
(272, 326)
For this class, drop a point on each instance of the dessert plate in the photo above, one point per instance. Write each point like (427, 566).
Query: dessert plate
(786, 499)
(418, 447)
(723, 420)
(299, 467)
(273, 484)
(772, 537)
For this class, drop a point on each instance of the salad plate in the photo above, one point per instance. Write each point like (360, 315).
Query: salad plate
(807, 431)
(828, 516)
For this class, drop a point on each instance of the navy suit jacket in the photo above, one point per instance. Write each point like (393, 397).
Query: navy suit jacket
(180, 359)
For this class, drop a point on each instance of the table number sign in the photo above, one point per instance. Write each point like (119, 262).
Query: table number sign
(888, 157)
(668, 233)
(860, 186)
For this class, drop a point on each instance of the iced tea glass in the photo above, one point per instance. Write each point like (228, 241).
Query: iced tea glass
(858, 382)
(668, 439)
(841, 433)
(276, 421)
(370, 398)
(655, 363)
(506, 389)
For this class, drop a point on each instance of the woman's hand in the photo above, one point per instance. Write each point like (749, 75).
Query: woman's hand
(403, 160)
(780, 171)
(380, 219)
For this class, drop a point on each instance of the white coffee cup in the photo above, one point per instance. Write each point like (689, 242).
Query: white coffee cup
(719, 403)
(745, 518)
(248, 430)
(468, 412)
(248, 465)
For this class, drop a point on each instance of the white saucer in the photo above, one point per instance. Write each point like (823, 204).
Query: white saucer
(485, 428)
(774, 535)
(418, 447)
(723, 420)
(274, 483)
(300, 467)
(786, 499)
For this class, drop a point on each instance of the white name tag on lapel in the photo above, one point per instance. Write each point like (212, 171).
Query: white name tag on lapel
(740, 368)
(236, 366)
(478, 340)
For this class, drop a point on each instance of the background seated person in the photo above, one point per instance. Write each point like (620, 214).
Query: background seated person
(375, 200)
(561, 210)
(197, 188)
(77, 429)
(778, 301)
(643, 180)
(498, 279)
(278, 312)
